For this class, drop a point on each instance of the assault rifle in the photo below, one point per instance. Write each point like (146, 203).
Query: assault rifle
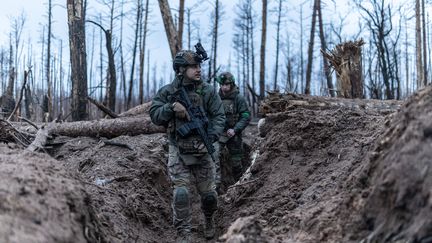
(198, 121)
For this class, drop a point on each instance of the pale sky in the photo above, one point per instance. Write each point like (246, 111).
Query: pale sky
(35, 12)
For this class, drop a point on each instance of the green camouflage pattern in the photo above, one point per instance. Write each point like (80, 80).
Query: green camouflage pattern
(185, 169)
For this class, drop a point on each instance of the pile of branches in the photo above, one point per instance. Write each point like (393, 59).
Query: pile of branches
(10, 133)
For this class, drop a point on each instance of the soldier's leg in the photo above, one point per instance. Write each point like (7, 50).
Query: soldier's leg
(180, 176)
(205, 177)
(235, 148)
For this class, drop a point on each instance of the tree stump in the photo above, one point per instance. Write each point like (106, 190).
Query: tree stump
(346, 60)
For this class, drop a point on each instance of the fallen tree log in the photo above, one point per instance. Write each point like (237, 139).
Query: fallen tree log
(108, 128)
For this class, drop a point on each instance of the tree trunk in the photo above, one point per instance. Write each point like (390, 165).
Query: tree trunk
(122, 62)
(252, 56)
(188, 12)
(142, 54)
(169, 27)
(48, 65)
(215, 37)
(76, 22)
(425, 65)
(130, 126)
(131, 78)
(110, 96)
(324, 47)
(262, 50)
(310, 49)
(278, 23)
(181, 23)
(148, 75)
(419, 62)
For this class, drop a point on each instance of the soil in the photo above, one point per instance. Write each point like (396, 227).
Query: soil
(316, 174)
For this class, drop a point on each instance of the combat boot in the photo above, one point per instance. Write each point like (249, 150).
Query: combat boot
(209, 231)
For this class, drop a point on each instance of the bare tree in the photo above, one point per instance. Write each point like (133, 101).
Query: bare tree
(324, 47)
(278, 24)
(424, 27)
(181, 23)
(143, 39)
(215, 34)
(419, 62)
(379, 22)
(135, 45)
(310, 48)
(48, 65)
(262, 50)
(170, 30)
(76, 22)
(110, 95)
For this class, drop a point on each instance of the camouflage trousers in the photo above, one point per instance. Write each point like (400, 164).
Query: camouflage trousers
(235, 149)
(202, 175)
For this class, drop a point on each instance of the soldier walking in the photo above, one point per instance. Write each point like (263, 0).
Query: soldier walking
(189, 159)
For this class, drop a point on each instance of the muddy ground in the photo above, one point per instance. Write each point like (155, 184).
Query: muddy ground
(318, 174)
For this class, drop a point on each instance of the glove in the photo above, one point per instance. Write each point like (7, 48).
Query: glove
(180, 111)
(231, 132)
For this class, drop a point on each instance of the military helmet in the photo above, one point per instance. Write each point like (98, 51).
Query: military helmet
(226, 78)
(184, 58)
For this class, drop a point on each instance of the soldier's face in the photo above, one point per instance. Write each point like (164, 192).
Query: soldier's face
(193, 72)
(225, 88)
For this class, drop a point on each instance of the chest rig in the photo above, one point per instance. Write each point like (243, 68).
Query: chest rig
(190, 144)
(231, 112)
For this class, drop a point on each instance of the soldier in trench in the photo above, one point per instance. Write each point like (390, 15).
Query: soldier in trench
(237, 119)
(189, 160)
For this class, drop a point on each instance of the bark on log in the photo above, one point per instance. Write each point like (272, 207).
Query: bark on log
(108, 128)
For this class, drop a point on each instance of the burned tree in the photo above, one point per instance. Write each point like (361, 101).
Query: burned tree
(346, 60)
(170, 29)
(262, 50)
(110, 96)
(310, 49)
(324, 47)
(379, 21)
(76, 22)
(48, 64)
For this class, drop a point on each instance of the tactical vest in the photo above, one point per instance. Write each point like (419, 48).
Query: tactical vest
(231, 112)
(190, 144)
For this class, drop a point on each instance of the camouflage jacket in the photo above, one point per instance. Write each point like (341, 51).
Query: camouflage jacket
(236, 110)
(161, 112)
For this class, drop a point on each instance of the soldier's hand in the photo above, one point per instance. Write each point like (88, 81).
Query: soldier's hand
(180, 111)
(231, 132)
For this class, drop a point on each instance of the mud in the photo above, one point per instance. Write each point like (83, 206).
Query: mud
(317, 174)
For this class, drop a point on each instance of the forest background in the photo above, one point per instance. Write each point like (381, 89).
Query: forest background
(35, 48)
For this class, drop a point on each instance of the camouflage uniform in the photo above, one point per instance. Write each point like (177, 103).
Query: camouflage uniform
(237, 117)
(186, 163)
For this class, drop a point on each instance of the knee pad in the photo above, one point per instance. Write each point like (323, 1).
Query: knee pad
(181, 202)
(209, 202)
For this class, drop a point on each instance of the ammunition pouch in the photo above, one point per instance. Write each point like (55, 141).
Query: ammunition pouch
(191, 145)
(231, 120)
